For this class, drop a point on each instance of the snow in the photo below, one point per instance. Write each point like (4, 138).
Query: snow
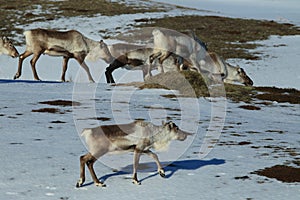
(40, 158)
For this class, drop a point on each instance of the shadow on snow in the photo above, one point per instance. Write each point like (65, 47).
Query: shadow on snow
(170, 168)
(26, 81)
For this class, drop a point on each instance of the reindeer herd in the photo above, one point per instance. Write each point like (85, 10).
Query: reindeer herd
(170, 52)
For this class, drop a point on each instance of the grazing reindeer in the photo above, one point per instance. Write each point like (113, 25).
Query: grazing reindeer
(218, 70)
(213, 66)
(7, 47)
(237, 74)
(69, 44)
(167, 42)
(136, 57)
(138, 137)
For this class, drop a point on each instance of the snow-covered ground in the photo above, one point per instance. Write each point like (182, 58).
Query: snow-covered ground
(40, 151)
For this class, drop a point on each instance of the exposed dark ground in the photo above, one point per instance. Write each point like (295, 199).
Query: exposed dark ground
(282, 173)
(192, 84)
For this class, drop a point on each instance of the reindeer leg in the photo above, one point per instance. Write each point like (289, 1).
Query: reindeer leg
(117, 63)
(137, 155)
(152, 57)
(162, 59)
(33, 62)
(88, 160)
(160, 170)
(83, 161)
(80, 60)
(86, 68)
(144, 70)
(90, 165)
(65, 67)
(21, 58)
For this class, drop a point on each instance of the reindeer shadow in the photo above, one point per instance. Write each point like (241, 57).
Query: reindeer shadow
(170, 168)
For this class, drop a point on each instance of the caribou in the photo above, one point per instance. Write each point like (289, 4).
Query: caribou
(7, 47)
(138, 137)
(188, 46)
(192, 51)
(218, 70)
(68, 44)
(136, 57)
(237, 74)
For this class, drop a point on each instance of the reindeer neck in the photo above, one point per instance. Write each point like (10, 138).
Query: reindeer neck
(91, 44)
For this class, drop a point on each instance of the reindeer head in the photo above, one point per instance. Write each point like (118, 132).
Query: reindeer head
(9, 48)
(105, 53)
(237, 74)
(176, 132)
(245, 79)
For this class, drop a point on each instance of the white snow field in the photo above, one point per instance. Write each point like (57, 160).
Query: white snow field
(40, 151)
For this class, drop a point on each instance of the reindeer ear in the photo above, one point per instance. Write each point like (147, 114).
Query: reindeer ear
(102, 44)
(239, 70)
(169, 126)
(4, 38)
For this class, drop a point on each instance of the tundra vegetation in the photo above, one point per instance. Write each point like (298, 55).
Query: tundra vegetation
(228, 37)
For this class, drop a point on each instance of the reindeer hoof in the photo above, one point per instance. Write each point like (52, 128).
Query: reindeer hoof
(100, 184)
(147, 77)
(79, 183)
(16, 76)
(136, 182)
(162, 173)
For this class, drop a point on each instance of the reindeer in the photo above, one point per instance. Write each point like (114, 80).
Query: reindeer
(69, 44)
(218, 70)
(138, 137)
(136, 57)
(237, 74)
(167, 42)
(7, 47)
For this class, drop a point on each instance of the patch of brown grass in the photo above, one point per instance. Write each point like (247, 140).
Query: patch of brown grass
(282, 173)
(279, 94)
(250, 107)
(192, 84)
(61, 103)
(186, 82)
(47, 110)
